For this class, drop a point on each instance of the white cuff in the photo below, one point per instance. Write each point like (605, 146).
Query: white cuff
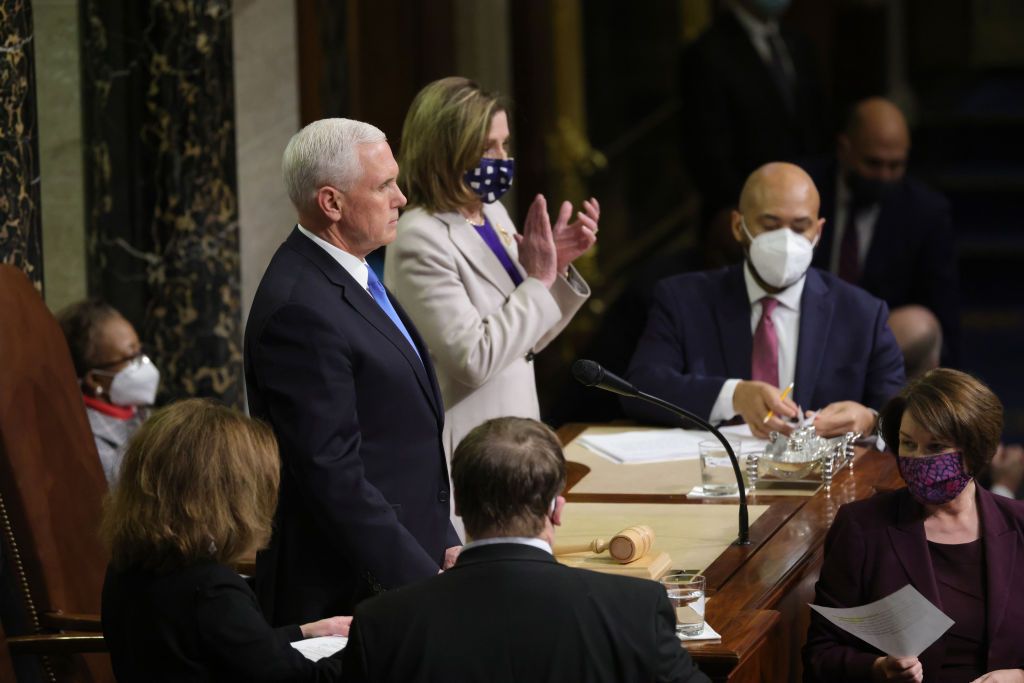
(1001, 490)
(723, 409)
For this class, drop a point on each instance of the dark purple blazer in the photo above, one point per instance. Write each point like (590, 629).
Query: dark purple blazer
(877, 546)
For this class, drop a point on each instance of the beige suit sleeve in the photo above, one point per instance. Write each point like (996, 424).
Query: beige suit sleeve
(570, 294)
(423, 273)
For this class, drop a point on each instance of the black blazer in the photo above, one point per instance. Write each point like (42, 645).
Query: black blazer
(364, 485)
(509, 612)
(733, 116)
(912, 256)
(200, 623)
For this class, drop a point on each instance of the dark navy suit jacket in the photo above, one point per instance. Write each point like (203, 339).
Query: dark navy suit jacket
(364, 486)
(877, 546)
(698, 336)
(508, 612)
(912, 256)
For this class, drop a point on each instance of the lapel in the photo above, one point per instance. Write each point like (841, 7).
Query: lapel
(815, 321)
(747, 62)
(911, 548)
(1000, 558)
(360, 300)
(732, 314)
(886, 239)
(480, 257)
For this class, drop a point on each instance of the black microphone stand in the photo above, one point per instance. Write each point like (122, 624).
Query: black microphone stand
(744, 536)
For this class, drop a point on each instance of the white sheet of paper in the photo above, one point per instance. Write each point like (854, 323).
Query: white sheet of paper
(318, 648)
(659, 445)
(707, 634)
(902, 624)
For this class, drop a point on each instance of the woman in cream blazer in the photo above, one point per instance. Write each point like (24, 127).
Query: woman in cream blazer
(482, 327)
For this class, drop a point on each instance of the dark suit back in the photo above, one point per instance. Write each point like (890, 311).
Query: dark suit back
(198, 623)
(912, 256)
(734, 118)
(698, 336)
(364, 486)
(509, 612)
(877, 546)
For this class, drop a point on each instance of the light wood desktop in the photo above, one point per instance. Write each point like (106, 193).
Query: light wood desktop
(758, 594)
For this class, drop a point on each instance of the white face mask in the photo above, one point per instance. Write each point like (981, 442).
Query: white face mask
(135, 384)
(781, 256)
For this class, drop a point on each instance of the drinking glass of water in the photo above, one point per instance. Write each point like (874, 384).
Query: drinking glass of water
(686, 593)
(716, 473)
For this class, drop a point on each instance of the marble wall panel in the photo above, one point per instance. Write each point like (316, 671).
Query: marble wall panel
(162, 214)
(267, 115)
(20, 229)
(58, 90)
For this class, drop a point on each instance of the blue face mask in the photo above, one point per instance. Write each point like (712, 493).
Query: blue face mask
(491, 178)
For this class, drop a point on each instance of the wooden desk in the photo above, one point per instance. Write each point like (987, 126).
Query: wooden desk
(758, 594)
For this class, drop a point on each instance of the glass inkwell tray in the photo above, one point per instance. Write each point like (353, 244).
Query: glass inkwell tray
(801, 459)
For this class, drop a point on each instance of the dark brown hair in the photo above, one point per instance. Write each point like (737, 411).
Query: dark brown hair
(506, 472)
(955, 407)
(199, 481)
(80, 322)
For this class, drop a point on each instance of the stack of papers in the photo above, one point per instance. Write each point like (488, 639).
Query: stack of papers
(317, 648)
(659, 445)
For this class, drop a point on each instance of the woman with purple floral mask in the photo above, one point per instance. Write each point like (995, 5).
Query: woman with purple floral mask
(959, 545)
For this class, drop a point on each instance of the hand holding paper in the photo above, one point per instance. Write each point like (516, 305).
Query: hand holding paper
(902, 624)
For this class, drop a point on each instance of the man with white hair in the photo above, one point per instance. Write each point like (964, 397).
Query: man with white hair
(338, 370)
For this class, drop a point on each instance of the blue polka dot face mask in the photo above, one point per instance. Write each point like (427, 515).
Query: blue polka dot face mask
(491, 178)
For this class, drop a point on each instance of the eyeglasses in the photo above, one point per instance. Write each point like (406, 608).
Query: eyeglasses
(135, 359)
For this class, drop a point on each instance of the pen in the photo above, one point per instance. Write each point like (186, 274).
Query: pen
(785, 393)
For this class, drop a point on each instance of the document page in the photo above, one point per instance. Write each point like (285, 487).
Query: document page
(318, 648)
(902, 624)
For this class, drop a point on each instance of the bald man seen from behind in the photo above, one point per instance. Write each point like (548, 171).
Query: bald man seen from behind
(725, 343)
(890, 234)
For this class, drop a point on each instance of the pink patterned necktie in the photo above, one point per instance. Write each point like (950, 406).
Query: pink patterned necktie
(764, 362)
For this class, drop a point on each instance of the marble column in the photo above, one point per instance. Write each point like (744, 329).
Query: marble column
(162, 214)
(20, 229)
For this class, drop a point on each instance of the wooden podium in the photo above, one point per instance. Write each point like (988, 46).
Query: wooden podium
(758, 594)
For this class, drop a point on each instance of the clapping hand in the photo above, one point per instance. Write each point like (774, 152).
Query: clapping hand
(574, 239)
(537, 252)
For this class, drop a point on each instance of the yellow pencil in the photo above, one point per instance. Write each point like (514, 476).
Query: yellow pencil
(785, 393)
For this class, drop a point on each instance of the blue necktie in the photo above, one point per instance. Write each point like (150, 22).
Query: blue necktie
(380, 295)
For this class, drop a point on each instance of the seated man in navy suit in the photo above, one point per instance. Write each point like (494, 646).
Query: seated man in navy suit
(507, 611)
(890, 233)
(724, 343)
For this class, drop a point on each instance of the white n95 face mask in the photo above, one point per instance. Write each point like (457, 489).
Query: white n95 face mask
(781, 256)
(136, 383)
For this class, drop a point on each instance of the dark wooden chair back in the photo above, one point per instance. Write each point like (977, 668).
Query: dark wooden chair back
(51, 480)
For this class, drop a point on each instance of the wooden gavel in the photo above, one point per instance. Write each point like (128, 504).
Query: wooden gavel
(626, 546)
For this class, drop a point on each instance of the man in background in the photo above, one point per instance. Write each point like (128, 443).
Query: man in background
(507, 611)
(890, 234)
(750, 94)
(726, 343)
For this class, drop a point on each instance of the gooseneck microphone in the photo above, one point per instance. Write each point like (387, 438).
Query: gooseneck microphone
(591, 374)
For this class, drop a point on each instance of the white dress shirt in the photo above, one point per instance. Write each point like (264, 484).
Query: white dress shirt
(864, 223)
(355, 266)
(787, 327)
(539, 543)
